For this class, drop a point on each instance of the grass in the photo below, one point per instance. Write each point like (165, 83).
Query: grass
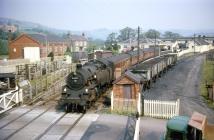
(207, 77)
(3, 57)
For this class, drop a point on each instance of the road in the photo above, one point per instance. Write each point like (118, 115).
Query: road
(183, 81)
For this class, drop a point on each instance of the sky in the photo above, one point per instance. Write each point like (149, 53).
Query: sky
(113, 14)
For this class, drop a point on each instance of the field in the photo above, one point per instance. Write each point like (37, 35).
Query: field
(207, 78)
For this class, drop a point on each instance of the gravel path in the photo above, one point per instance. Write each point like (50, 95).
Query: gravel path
(183, 81)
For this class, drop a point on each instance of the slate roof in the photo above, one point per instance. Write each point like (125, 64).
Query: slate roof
(201, 41)
(117, 58)
(135, 77)
(42, 38)
(78, 38)
(142, 40)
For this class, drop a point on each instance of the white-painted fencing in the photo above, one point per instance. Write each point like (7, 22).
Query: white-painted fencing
(161, 109)
(10, 99)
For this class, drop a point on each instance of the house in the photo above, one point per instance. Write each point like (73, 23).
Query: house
(78, 43)
(18, 48)
(50, 43)
(8, 28)
(130, 44)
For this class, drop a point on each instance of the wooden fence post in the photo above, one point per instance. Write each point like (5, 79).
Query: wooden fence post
(178, 107)
(139, 104)
(20, 93)
(112, 100)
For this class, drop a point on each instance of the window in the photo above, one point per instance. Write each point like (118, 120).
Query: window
(77, 43)
(81, 43)
(85, 43)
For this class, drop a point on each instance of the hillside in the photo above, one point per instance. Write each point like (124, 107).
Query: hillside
(26, 26)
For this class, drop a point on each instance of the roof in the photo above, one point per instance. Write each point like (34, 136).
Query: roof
(117, 58)
(201, 41)
(178, 123)
(24, 35)
(42, 38)
(142, 40)
(78, 38)
(134, 77)
(182, 45)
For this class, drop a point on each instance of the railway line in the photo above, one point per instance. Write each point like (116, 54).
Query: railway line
(43, 122)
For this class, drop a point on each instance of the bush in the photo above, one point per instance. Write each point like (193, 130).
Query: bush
(3, 47)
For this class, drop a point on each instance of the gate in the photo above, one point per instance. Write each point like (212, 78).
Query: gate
(10, 99)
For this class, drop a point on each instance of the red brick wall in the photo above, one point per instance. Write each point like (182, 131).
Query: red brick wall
(18, 45)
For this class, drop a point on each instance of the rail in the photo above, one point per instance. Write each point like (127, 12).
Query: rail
(10, 99)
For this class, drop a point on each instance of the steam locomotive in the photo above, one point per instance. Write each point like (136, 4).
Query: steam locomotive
(90, 80)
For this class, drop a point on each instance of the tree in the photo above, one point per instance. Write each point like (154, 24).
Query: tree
(171, 35)
(111, 43)
(68, 51)
(3, 47)
(126, 33)
(151, 33)
(15, 35)
(94, 44)
(51, 54)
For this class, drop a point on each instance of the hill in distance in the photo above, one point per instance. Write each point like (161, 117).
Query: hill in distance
(102, 33)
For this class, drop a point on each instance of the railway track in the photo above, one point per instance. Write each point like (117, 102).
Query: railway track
(68, 120)
(21, 115)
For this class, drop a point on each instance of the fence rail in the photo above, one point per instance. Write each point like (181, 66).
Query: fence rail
(10, 99)
(48, 85)
(161, 109)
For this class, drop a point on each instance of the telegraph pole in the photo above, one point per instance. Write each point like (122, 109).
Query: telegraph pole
(155, 43)
(138, 44)
(194, 44)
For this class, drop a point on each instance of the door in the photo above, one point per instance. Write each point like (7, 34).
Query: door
(127, 95)
(127, 92)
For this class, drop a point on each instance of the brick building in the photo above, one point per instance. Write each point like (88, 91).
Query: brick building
(46, 43)
(16, 47)
(50, 43)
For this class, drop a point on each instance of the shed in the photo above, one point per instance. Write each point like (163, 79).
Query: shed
(16, 47)
(126, 91)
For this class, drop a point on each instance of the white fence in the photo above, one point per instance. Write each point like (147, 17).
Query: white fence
(10, 99)
(161, 109)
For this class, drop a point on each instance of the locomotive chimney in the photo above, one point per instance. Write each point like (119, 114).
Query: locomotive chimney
(73, 68)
